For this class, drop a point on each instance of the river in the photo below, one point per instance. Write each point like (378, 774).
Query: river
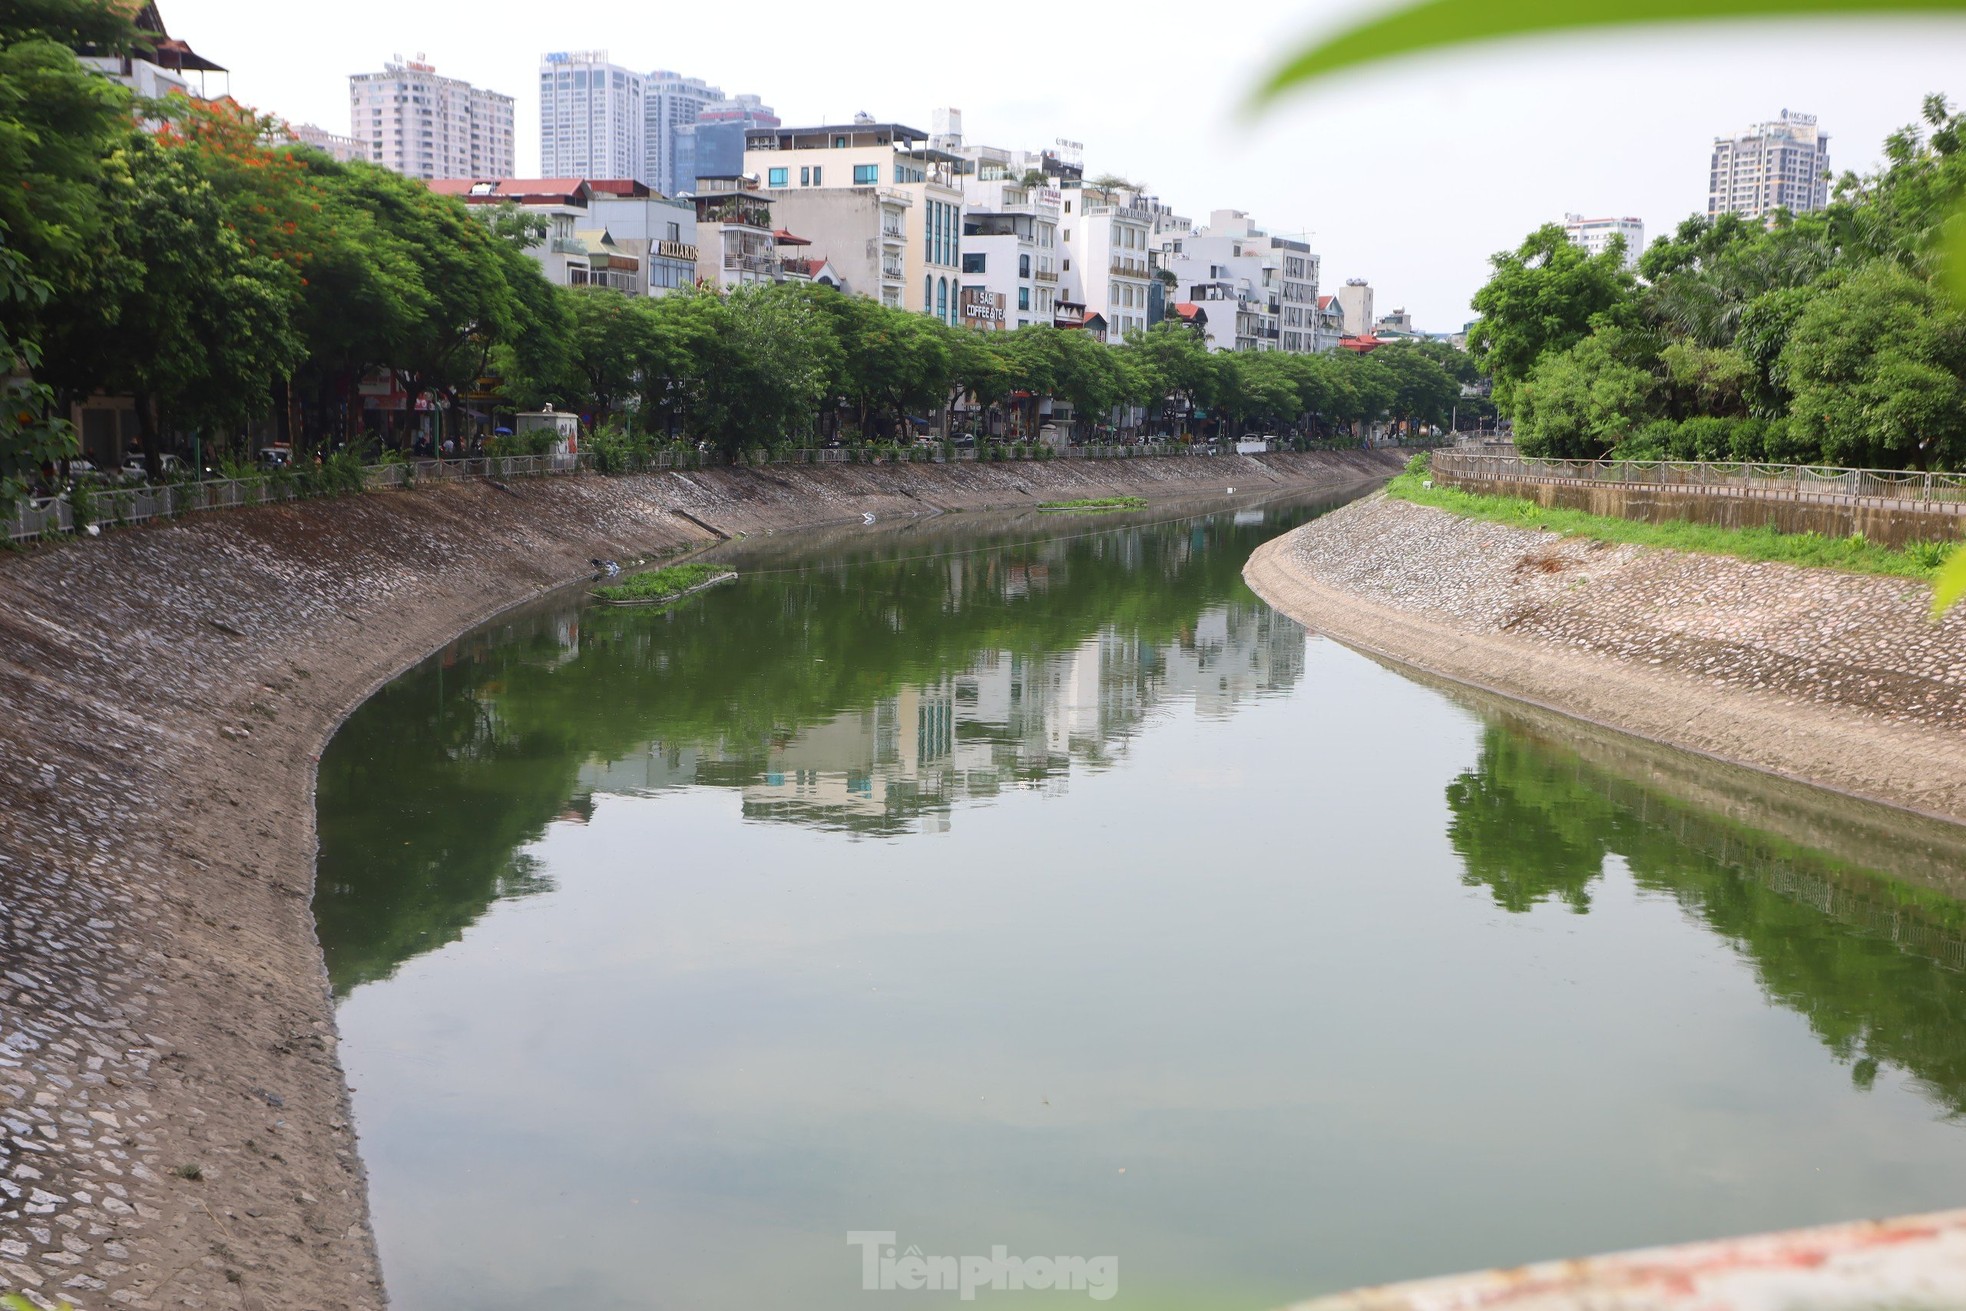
(1024, 883)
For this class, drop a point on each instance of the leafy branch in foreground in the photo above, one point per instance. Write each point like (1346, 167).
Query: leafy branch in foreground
(1442, 24)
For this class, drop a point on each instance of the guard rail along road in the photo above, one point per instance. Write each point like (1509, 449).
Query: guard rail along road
(112, 503)
(1890, 506)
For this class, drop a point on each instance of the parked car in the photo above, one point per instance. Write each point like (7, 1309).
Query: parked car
(276, 456)
(134, 467)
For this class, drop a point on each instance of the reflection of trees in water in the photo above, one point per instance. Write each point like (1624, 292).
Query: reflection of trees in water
(1876, 967)
(428, 793)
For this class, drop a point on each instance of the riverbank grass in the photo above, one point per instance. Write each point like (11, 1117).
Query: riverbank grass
(1096, 504)
(1852, 554)
(659, 585)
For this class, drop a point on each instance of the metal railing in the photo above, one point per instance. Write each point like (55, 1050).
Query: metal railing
(109, 503)
(1796, 482)
(112, 504)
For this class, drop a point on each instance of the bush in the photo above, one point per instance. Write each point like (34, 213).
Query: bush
(1420, 465)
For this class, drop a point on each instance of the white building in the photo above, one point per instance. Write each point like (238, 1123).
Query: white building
(592, 122)
(340, 148)
(671, 103)
(1259, 290)
(425, 126)
(1355, 307)
(1595, 234)
(866, 156)
(1010, 243)
(1783, 164)
(658, 231)
(576, 251)
(1105, 233)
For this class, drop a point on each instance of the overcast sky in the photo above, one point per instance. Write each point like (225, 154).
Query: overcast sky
(1409, 176)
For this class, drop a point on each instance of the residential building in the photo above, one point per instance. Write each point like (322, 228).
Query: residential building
(1011, 245)
(657, 230)
(1595, 235)
(735, 243)
(592, 123)
(1330, 324)
(1397, 326)
(157, 65)
(1260, 290)
(328, 143)
(575, 251)
(713, 146)
(671, 103)
(867, 156)
(1782, 164)
(1355, 307)
(425, 126)
(1105, 254)
(862, 232)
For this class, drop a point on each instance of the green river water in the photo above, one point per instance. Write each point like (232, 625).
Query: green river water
(1023, 882)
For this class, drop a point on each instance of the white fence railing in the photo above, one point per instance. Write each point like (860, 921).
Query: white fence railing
(1798, 482)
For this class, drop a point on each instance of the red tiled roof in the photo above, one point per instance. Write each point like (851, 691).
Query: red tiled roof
(1324, 302)
(1186, 309)
(783, 238)
(1361, 344)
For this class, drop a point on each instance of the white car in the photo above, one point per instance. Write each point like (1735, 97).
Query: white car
(170, 465)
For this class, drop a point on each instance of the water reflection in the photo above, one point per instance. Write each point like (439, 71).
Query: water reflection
(875, 693)
(1876, 965)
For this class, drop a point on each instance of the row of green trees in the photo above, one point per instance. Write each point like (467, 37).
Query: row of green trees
(1818, 338)
(187, 255)
(805, 361)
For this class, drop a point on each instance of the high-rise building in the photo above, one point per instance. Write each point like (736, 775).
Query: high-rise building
(592, 121)
(1782, 164)
(713, 146)
(425, 126)
(670, 103)
(1594, 234)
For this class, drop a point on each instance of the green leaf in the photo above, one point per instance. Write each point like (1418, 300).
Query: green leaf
(1438, 24)
(1951, 584)
(1955, 257)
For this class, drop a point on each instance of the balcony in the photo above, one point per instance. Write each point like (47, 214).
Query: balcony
(766, 264)
(1045, 275)
(1129, 269)
(567, 246)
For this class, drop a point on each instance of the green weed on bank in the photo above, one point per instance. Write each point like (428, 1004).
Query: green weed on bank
(662, 584)
(1852, 554)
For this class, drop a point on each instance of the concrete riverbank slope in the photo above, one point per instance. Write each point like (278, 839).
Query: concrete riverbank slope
(1839, 680)
(174, 1126)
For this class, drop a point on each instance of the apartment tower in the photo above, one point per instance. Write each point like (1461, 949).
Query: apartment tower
(421, 125)
(1783, 164)
(592, 121)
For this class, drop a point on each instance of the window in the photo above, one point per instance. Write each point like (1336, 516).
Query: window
(1023, 298)
(1023, 266)
(866, 175)
(839, 143)
(974, 263)
(778, 177)
(816, 170)
(942, 298)
(805, 176)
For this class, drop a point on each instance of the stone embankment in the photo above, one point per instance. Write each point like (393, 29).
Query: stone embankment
(174, 1126)
(1839, 680)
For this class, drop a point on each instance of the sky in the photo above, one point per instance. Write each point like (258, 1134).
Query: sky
(1409, 175)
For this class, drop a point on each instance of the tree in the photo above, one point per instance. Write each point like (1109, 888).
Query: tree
(1580, 402)
(1542, 298)
(1878, 368)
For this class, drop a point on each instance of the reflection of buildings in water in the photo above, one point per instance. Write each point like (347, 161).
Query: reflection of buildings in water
(1006, 721)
